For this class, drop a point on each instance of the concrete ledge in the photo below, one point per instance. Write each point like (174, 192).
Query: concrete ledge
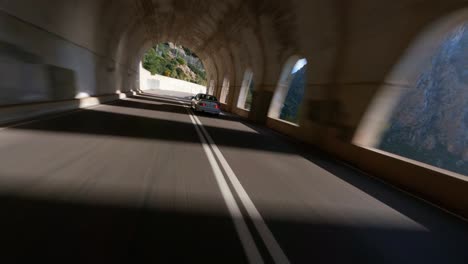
(241, 112)
(16, 113)
(224, 107)
(443, 188)
(283, 127)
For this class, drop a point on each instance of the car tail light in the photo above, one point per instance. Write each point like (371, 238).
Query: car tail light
(202, 104)
(217, 106)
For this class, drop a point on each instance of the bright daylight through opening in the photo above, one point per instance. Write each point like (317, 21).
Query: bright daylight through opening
(168, 61)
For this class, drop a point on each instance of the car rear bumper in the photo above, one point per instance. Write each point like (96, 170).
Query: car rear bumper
(208, 110)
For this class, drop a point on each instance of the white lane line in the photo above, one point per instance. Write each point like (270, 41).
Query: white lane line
(246, 238)
(265, 233)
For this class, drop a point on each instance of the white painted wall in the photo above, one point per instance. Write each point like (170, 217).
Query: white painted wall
(159, 82)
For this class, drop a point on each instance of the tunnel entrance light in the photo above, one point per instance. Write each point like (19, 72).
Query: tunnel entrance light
(82, 95)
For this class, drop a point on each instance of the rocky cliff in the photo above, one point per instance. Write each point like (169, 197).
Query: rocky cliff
(175, 61)
(430, 123)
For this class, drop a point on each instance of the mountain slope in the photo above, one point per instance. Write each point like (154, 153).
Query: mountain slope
(175, 61)
(430, 123)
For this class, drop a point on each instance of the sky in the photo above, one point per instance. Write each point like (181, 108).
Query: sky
(299, 64)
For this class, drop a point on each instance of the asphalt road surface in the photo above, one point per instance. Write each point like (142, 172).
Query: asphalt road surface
(143, 180)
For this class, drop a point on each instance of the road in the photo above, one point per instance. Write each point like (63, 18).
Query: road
(143, 180)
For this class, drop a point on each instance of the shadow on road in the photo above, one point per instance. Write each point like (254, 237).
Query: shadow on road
(66, 232)
(96, 122)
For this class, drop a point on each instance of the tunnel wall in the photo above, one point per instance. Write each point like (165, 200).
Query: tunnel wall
(348, 65)
(353, 50)
(40, 65)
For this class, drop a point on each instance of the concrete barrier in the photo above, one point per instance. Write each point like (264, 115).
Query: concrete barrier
(17, 113)
(159, 82)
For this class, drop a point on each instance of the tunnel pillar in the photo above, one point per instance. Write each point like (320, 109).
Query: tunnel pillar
(261, 105)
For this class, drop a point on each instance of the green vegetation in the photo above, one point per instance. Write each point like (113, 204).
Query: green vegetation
(175, 62)
(248, 101)
(293, 101)
(181, 61)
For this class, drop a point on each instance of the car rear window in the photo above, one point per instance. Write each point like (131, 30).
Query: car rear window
(208, 97)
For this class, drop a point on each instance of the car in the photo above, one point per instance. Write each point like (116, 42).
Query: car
(206, 103)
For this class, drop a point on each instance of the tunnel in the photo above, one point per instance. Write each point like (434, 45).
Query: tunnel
(342, 136)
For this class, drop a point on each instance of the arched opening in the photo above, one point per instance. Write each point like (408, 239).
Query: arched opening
(424, 117)
(168, 66)
(225, 90)
(246, 92)
(289, 93)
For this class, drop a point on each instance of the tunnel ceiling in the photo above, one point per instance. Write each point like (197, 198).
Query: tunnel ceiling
(198, 22)
(206, 26)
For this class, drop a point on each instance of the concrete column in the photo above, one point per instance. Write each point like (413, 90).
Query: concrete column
(261, 104)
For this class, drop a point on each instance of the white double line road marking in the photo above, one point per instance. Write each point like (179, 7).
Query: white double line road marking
(245, 235)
